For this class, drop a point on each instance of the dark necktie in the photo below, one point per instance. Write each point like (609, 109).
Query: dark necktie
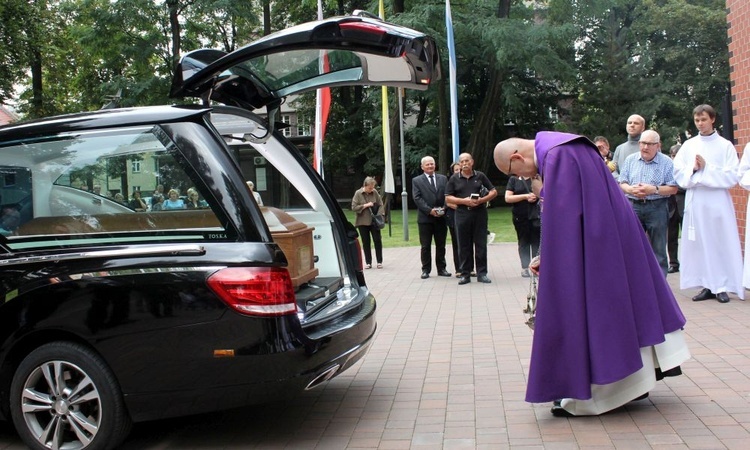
(432, 182)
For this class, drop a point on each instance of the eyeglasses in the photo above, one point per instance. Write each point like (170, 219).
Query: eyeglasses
(510, 163)
(647, 143)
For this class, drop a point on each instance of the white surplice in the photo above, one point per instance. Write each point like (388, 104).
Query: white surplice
(710, 254)
(743, 174)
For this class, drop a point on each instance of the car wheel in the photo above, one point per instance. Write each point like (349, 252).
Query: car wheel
(63, 396)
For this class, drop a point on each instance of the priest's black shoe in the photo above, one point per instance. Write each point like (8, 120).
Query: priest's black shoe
(444, 273)
(559, 411)
(673, 269)
(722, 297)
(705, 294)
(483, 279)
(464, 280)
(425, 275)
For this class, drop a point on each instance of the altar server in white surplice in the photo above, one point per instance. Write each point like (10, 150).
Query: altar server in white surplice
(709, 251)
(744, 179)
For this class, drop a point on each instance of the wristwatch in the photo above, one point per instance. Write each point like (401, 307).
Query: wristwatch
(657, 189)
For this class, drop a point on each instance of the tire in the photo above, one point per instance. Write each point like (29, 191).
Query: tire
(64, 396)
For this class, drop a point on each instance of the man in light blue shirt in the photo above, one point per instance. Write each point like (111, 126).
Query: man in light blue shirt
(647, 178)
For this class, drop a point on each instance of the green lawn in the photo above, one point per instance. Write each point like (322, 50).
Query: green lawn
(499, 221)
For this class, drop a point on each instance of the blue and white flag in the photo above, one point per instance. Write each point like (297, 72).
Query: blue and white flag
(452, 79)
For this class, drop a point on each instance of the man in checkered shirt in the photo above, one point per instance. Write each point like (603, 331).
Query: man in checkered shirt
(647, 178)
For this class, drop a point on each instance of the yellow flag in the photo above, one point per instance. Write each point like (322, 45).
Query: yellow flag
(388, 183)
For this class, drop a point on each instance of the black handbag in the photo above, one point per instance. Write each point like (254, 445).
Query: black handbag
(378, 221)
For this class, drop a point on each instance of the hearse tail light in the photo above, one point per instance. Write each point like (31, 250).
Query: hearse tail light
(255, 291)
(362, 27)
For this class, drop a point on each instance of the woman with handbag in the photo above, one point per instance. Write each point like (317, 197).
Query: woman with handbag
(367, 204)
(525, 219)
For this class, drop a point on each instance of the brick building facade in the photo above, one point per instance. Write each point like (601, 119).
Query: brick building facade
(738, 19)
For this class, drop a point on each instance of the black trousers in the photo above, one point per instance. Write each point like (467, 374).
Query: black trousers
(673, 236)
(454, 247)
(471, 228)
(428, 231)
(364, 232)
(528, 239)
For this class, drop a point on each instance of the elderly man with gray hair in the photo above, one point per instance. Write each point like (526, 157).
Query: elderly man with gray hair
(647, 179)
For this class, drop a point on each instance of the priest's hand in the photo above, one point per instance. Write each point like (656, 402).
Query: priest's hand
(534, 265)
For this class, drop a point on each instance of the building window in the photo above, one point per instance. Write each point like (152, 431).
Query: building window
(136, 166)
(287, 119)
(303, 127)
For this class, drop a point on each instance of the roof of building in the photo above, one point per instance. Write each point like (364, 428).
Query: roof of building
(7, 116)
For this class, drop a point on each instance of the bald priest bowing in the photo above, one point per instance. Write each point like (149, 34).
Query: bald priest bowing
(602, 338)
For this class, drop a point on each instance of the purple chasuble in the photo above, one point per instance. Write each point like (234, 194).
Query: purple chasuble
(602, 295)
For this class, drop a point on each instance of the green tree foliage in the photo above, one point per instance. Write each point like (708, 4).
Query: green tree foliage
(599, 60)
(89, 50)
(656, 58)
(14, 23)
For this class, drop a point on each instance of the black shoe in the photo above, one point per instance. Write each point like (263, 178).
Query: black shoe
(483, 279)
(444, 273)
(673, 269)
(722, 297)
(464, 280)
(641, 397)
(705, 294)
(559, 411)
(425, 275)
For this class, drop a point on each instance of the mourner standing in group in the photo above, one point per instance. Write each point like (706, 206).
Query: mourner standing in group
(428, 192)
(634, 127)
(367, 203)
(526, 219)
(676, 204)
(450, 221)
(470, 190)
(647, 179)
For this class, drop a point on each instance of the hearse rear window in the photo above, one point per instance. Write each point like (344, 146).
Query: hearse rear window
(98, 188)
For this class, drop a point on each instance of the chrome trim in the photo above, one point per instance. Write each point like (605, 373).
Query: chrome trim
(155, 250)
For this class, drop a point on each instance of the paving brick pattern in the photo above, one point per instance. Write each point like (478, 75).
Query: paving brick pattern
(448, 370)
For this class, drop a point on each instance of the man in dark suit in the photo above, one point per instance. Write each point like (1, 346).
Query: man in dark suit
(428, 191)
(676, 211)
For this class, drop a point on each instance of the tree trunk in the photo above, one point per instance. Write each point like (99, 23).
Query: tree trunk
(482, 140)
(38, 107)
(266, 17)
(174, 24)
(37, 91)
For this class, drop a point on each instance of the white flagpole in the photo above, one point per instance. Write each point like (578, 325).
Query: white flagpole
(404, 195)
(318, 143)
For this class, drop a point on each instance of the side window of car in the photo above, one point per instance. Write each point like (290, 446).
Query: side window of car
(97, 188)
(274, 178)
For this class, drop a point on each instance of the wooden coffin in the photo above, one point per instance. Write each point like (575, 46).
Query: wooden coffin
(296, 241)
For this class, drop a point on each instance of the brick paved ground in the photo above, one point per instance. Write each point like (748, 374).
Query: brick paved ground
(448, 369)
